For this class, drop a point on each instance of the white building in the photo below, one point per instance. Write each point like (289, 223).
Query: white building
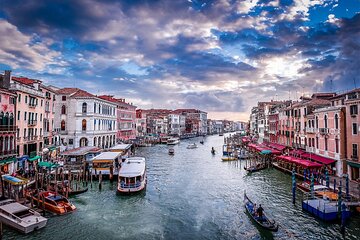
(83, 119)
(174, 124)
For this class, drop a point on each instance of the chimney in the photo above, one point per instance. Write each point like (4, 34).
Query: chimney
(5, 81)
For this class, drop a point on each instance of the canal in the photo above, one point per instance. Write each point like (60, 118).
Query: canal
(191, 195)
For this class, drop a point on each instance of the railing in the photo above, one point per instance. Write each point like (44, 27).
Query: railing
(310, 130)
(323, 130)
(7, 152)
(131, 185)
(32, 122)
(32, 105)
(7, 128)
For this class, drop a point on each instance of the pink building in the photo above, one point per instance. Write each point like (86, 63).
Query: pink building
(48, 115)
(7, 124)
(126, 118)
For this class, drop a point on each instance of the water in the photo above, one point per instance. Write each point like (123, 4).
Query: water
(191, 195)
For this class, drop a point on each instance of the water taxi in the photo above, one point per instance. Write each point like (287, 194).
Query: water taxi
(20, 217)
(132, 175)
(171, 151)
(54, 203)
(173, 141)
(191, 146)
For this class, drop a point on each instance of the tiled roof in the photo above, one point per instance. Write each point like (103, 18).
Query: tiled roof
(25, 80)
(108, 98)
(75, 92)
(67, 91)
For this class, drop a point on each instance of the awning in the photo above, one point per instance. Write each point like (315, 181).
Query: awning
(8, 160)
(276, 146)
(301, 162)
(15, 180)
(319, 159)
(34, 158)
(353, 164)
(48, 164)
(52, 148)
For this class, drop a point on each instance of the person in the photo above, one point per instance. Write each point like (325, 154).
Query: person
(254, 210)
(212, 150)
(260, 211)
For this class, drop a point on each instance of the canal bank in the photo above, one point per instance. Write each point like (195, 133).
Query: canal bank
(191, 195)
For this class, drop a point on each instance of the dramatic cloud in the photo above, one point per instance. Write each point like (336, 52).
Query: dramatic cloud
(220, 56)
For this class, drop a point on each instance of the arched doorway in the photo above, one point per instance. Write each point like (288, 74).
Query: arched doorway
(83, 142)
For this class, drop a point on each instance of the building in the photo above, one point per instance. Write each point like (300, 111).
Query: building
(126, 118)
(83, 119)
(29, 116)
(7, 124)
(195, 121)
(140, 123)
(49, 135)
(174, 124)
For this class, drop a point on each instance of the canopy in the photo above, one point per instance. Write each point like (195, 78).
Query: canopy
(261, 148)
(48, 164)
(7, 160)
(319, 159)
(34, 158)
(276, 146)
(265, 152)
(15, 180)
(301, 162)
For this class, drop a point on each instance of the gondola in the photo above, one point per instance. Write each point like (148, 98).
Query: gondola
(202, 142)
(255, 168)
(213, 152)
(264, 221)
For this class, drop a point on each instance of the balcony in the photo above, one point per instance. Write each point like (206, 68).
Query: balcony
(323, 131)
(31, 105)
(7, 128)
(310, 130)
(32, 122)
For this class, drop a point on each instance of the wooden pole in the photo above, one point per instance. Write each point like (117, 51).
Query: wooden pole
(100, 180)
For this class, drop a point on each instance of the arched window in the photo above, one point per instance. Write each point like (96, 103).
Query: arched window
(94, 109)
(84, 108)
(325, 121)
(6, 119)
(336, 121)
(317, 122)
(83, 125)
(63, 109)
(83, 142)
(62, 125)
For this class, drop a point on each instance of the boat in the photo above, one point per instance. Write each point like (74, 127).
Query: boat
(202, 141)
(54, 202)
(20, 217)
(173, 141)
(132, 175)
(264, 221)
(213, 151)
(255, 168)
(221, 134)
(229, 158)
(191, 146)
(227, 150)
(305, 187)
(171, 151)
(62, 190)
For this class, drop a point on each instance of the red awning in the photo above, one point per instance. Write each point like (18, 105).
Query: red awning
(319, 159)
(301, 162)
(277, 146)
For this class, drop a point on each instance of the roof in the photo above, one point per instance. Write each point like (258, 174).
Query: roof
(80, 151)
(301, 162)
(134, 166)
(25, 80)
(107, 156)
(121, 147)
(12, 207)
(74, 92)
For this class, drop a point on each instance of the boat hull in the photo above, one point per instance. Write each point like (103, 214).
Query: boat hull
(121, 190)
(25, 229)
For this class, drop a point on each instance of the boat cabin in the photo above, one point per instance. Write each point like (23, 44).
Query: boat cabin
(105, 161)
(132, 175)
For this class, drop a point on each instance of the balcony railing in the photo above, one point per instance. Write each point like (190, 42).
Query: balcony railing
(310, 130)
(32, 122)
(7, 152)
(7, 128)
(323, 130)
(31, 105)
(30, 138)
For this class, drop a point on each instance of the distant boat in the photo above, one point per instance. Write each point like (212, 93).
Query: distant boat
(173, 141)
(255, 168)
(229, 158)
(202, 141)
(20, 217)
(262, 221)
(132, 175)
(221, 134)
(191, 146)
(213, 151)
(171, 151)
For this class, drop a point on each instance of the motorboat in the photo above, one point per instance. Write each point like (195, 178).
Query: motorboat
(191, 146)
(132, 175)
(53, 202)
(20, 217)
(171, 151)
(173, 141)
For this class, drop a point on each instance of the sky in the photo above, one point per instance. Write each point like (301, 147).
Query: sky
(218, 56)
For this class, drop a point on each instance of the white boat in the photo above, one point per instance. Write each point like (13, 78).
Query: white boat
(191, 146)
(171, 151)
(173, 141)
(20, 217)
(132, 175)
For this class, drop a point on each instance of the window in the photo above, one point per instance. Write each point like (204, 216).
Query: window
(317, 122)
(353, 109)
(336, 121)
(326, 144)
(40, 117)
(305, 142)
(24, 132)
(313, 142)
(63, 109)
(336, 145)
(354, 128)
(63, 98)
(354, 150)
(18, 118)
(84, 108)
(83, 125)
(317, 142)
(325, 121)
(41, 102)
(19, 97)
(25, 99)
(25, 116)
(62, 128)
(71, 141)
(94, 107)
